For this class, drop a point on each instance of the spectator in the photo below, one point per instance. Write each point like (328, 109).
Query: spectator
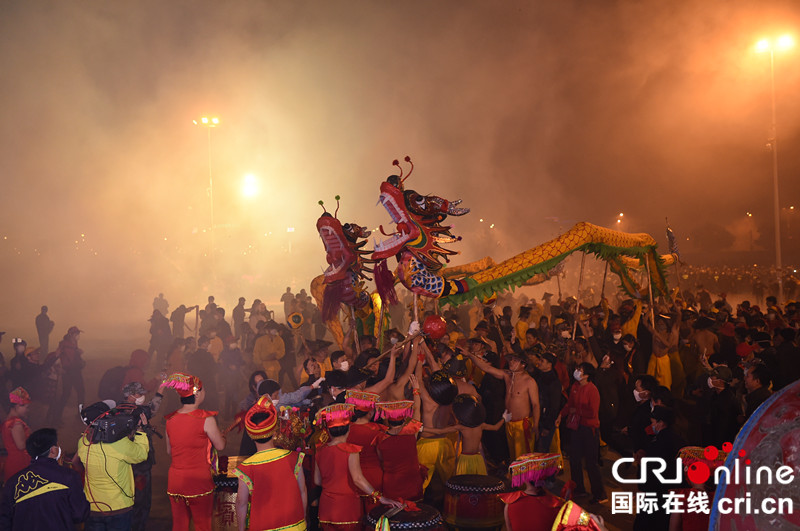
(57, 503)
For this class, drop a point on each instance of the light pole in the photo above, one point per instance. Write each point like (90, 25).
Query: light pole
(766, 45)
(210, 122)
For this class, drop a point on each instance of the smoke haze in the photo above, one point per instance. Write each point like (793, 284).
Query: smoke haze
(536, 114)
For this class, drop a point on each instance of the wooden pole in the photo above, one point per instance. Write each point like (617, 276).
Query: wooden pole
(558, 281)
(382, 317)
(354, 329)
(650, 291)
(603, 289)
(416, 308)
(398, 344)
(578, 298)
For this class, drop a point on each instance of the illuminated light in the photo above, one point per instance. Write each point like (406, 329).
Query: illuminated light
(785, 42)
(204, 120)
(621, 214)
(491, 226)
(791, 208)
(763, 46)
(481, 220)
(619, 221)
(749, 215)
(215, 121)
(194, 122)
(83, 235)
(165, 238)
(250, 186)
(289, 229)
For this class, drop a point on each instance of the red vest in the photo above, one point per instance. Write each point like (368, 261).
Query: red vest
(267, 473)
(524, 509)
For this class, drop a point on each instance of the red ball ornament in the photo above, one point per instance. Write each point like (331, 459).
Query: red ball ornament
(435, 327)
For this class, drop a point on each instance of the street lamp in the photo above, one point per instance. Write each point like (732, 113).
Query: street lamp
(210, 122)
(250, 185)
(766, 45)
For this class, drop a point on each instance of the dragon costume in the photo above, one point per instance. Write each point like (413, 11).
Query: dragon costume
(420, 233)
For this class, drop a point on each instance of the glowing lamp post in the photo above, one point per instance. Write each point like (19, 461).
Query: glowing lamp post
(766, 45)
(210, 122)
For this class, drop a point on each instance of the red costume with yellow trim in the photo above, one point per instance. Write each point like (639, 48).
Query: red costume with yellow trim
(189, 482)
(17, 459)
(189, 472)
(402, 476)
(339, 504)
(276, 503)
(269, 476)
(525, 508)
(367, 436)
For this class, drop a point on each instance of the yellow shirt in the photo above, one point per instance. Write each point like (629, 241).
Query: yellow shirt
(108, 483)
(521, 327)
(215, 347)
(631, 326)
(268, 349)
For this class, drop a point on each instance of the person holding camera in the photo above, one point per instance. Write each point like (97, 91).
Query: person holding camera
(44, 495)
(189, 430)
(134, 396)
(108, 481)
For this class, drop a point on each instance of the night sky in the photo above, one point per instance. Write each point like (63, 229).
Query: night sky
(537, 114)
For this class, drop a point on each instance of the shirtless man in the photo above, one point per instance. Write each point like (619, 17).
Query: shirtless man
(396, 390)
(522, 403)
(471, 416)
(705, 341)
(435, 451)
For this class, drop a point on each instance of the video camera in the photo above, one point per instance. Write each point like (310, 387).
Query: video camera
(121, 421)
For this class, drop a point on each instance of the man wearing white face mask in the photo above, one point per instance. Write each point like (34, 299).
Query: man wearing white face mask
(134, 393)
(339, 361)
(44, 495)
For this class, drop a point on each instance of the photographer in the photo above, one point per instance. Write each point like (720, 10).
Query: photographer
(134, 395)
(108, 482)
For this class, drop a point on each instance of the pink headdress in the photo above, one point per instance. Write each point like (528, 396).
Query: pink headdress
(185, 384)
(19, 396)
(397, 410)
(533, 468)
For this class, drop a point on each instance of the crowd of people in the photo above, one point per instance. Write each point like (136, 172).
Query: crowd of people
(512, 390)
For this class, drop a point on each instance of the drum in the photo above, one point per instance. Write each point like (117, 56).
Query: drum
(473, 502)
(426, 518)
(224, 516)
(769, 439)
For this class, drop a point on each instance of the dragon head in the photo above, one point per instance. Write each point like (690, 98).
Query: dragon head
(418, 223)
(342, 248)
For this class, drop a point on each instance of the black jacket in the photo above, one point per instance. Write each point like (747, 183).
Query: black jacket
(549, 398)
(43, 496)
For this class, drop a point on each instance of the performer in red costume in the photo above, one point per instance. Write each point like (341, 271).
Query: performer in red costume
(402, 476)
(190, 433)
(367, 435)
(533, 503)
(15, 432)
(269, 477)
(338, 472)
